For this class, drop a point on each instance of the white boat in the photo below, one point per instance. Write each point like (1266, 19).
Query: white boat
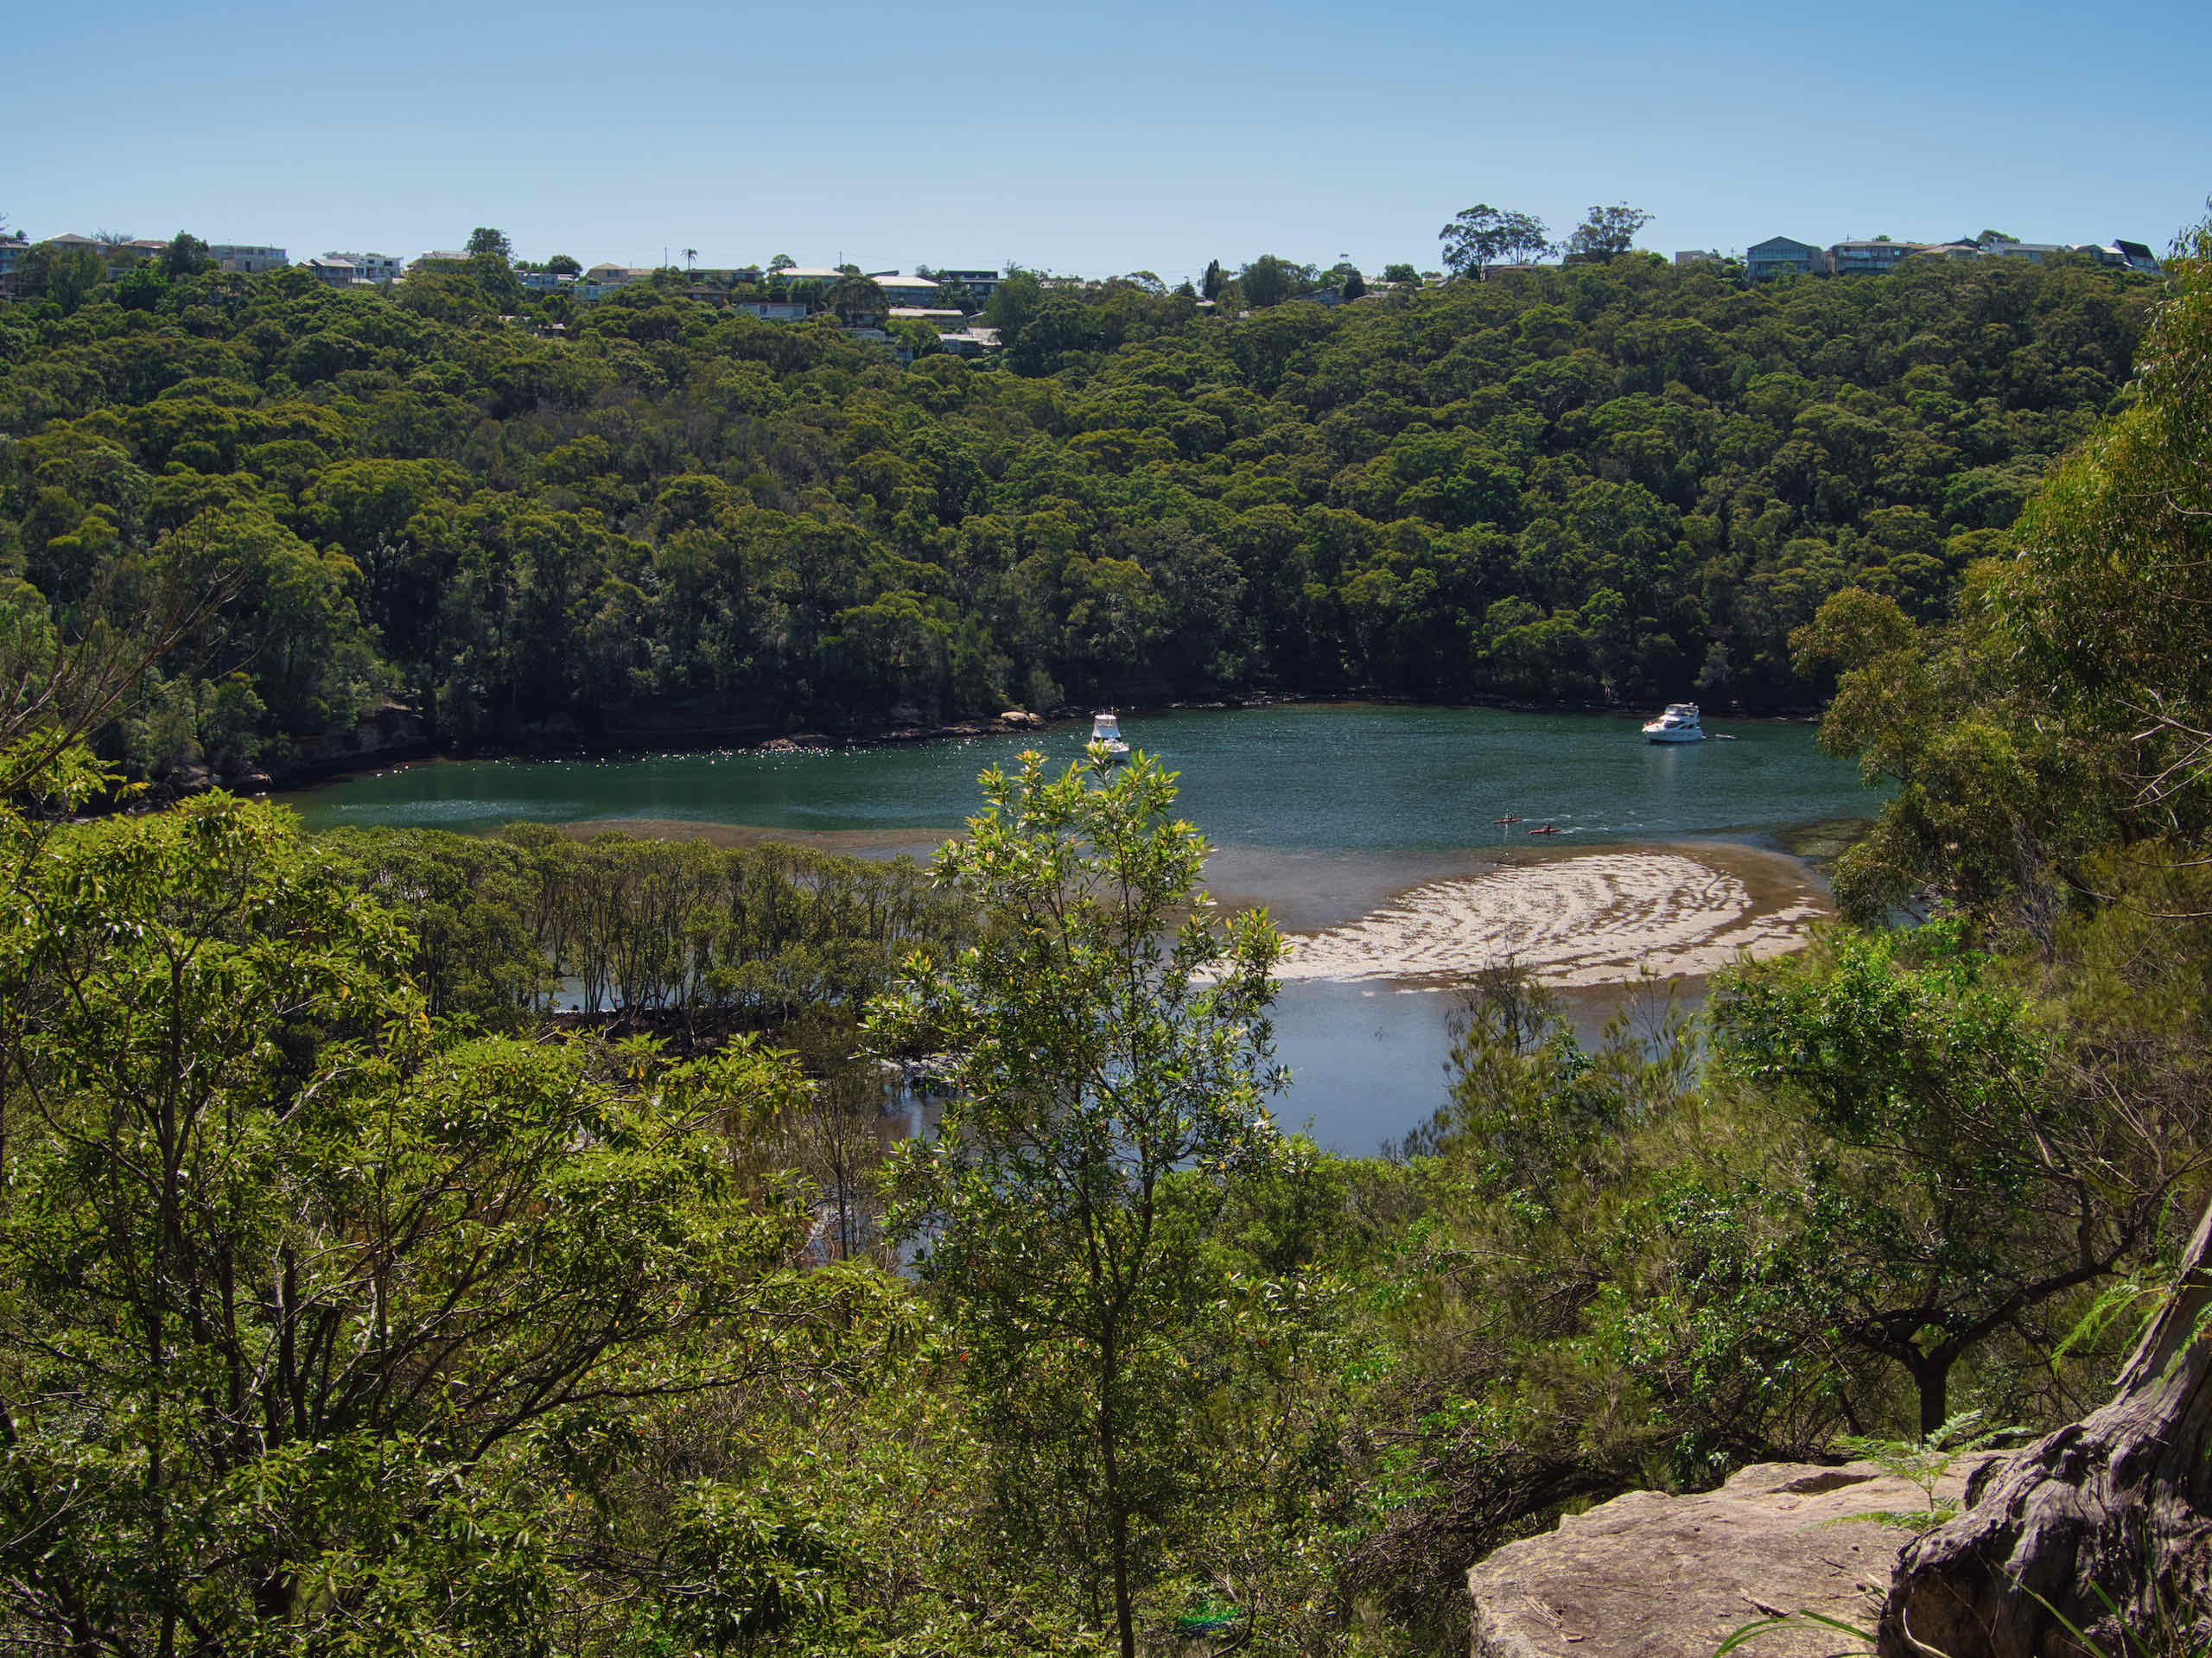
(1106, 729)
(1678, 724)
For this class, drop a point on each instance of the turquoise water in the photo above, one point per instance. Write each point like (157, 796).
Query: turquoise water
(1320, 812)
(1349, 779)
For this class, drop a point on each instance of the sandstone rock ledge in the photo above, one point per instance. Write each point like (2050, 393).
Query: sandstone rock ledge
(1654, 1576)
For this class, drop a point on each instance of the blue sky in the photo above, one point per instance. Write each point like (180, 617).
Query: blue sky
(1099, 137)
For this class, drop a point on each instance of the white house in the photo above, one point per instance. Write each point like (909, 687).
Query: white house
(371, 267)
(246, 259)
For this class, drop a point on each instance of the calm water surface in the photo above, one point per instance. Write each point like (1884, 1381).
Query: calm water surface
(1320, 810)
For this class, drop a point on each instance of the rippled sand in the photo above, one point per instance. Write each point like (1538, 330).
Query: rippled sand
(1592, 919)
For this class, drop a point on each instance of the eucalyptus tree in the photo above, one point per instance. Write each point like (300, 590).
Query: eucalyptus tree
(1607, 233)
(1108, 1053)
(1482, 236)
(303, 1285)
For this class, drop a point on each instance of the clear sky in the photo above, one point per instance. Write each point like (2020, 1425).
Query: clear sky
(1099, 137)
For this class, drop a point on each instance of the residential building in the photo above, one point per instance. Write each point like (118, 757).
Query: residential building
(604, 279)
(808, 273)
(2122, 256)
(371, 267)
(330, 270)
(438, 257)
(980, 284)
(2003, 247)
(769, 310)
(1697, 256)
(970, 342)
(906, 290)
(247, 260)
(544, 282)
(2136, 256)
(1876, 257)
(118, 257)
(11, 255)
(1948, 249)
(1778, 254)
(944, 316)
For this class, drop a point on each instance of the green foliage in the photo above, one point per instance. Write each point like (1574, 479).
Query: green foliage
(1108, 1069)
(1962, 1170)
(1600, 483)
(301, 1282)
(1482, 236)
(1926, 1462)
(1606, 233)
(2063, 711)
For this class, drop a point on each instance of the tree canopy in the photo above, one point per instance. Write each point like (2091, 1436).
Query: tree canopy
(1615, 483)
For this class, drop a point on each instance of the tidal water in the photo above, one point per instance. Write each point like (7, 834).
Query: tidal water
(1322, 811)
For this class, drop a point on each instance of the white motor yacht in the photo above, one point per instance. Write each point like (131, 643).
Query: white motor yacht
(1106, 729)
(1679, 724)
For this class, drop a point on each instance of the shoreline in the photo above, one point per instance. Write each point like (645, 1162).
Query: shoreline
(1588, 920)
(370, 764)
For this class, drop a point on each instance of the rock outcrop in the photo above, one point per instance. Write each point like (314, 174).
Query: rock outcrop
(1672, 1577)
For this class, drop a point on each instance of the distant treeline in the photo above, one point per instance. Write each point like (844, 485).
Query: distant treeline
(1609, 482)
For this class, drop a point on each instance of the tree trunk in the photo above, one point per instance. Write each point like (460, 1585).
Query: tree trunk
(1931, 1377)
(1117, 1516)
(2120, 1502)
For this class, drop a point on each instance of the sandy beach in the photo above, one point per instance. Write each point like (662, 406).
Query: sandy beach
(1577, 920)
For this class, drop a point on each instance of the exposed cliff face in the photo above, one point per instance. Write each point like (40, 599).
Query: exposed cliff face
(1652, 1576)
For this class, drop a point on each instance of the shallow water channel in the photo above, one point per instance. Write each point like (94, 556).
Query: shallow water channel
(1367, 830)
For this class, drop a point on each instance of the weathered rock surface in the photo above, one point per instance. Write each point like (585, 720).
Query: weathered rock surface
(1672, 1577)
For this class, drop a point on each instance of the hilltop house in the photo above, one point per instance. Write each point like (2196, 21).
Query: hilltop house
(980, 284)
(370, 267)
(247, 260)
(2131, 255)
(2005, 247)
(1866, 258)
(1778, 254)
(905, 291)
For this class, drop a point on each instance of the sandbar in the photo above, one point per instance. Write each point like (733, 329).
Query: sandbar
(1578, 920)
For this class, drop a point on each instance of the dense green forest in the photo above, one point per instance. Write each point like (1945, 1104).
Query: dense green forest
(358, 1303)
(1613, 481)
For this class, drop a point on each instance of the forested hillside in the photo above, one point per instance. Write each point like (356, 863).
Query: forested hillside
(1617, 482)
(358, 1305)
